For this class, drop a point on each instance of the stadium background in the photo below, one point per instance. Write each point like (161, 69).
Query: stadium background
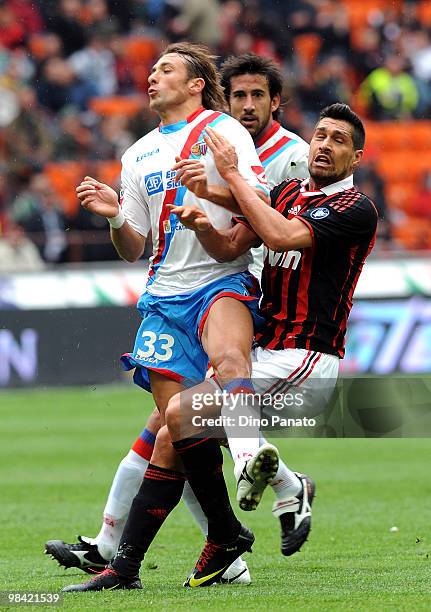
(72, 98)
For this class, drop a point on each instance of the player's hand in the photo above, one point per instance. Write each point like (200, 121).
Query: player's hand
(192, 217)
(191, 173)
(98, 197)
(224, 153)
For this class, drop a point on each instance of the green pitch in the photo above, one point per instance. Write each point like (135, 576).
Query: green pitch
(59, 450)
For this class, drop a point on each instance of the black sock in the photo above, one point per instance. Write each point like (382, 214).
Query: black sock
(160, 492)
(203, 461)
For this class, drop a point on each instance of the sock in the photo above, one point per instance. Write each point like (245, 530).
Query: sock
(203, 462)
(242, 448)
(160, 492)
(189, 498)
(285, 483)
(125, 485)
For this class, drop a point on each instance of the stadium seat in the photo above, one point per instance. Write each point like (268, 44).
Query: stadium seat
(404, 166)
(307, 47)
(64, 177)
(109, 172)
(127, 106)
(399, 194)
(423, 12)
(414, 234)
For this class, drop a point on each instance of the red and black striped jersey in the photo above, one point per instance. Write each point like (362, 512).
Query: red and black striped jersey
(307, 294)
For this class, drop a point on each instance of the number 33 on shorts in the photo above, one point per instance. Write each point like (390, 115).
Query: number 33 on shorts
(155, 346)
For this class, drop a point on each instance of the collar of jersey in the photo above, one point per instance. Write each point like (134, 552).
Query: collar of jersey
(174, 127)
(343, 185)
(272, 130)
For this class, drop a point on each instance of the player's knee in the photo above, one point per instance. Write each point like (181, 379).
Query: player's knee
(230, 364)
(173, 414)
(153, 423)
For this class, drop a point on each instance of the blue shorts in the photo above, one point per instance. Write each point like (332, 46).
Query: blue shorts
(168, 339)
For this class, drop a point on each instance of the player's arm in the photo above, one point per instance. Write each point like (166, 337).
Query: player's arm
(277, 232)
(191, 173)
(102, 200)
(221, 245)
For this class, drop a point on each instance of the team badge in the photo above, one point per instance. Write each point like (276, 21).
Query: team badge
(199, 148)
(319, 213)
(167, 226)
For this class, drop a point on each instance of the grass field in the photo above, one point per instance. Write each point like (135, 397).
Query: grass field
(59, 450)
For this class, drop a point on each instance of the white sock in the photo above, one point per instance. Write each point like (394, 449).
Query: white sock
(241, 448)
(126, 483)
(285, 483)
(189, 498)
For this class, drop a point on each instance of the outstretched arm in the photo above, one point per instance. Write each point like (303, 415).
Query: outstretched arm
(221, 245)
(277, 232)
(100, 199)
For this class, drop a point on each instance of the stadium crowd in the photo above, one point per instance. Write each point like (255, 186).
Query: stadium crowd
(73, 80)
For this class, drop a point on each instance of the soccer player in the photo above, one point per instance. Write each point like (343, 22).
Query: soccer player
(253, 88)
(317, 236)
(194, 308)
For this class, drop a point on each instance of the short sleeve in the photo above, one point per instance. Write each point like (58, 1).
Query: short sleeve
(351, 224)
(133, 203)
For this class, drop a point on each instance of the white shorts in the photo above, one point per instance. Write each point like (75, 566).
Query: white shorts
(298, 381)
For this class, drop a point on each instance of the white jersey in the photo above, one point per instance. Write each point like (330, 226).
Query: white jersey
(179, 263)
(284, 155)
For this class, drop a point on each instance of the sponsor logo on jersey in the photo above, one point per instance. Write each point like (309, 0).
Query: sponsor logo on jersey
(171, 183)
(154, 183)
(142, 156)
(199, 148)
(295, 210)
(319, 213)
(289, 259)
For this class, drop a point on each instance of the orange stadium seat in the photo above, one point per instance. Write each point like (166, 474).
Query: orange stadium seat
(404, 166)
(307, 47)
(109, 172)
(64, 177)
(141, 49)
(400, 193)
(128, 106)
(423, 12)
(414, 233)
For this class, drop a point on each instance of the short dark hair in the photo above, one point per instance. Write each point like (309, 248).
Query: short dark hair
(250, 63)
(345, 113)
(200, 63)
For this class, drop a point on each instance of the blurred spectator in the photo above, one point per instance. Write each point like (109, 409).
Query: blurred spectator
(194, 20)
(99, 15)
(75, 141)
(113, 137)
(27, 14)
(420, 205)
(12, 33)
(28, 139)
(326, 85)
(59, 86)
(39, 212)
(333, 27)
(17, 251)
(66, 22)
(368, 54)
(390, 92)
(95, 63)
(368, 180)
